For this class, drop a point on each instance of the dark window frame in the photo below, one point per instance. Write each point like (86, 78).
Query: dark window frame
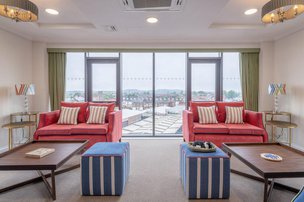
(218, 76)
(89, 80)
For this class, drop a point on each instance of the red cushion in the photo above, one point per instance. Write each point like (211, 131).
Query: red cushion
(210, 128)
(82, 112)
(111, 107)
(222, 110)
(194, 105)
(93, 129)
(244, 129)
(55, 129)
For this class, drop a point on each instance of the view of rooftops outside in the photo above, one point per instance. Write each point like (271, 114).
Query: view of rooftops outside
(137, 88)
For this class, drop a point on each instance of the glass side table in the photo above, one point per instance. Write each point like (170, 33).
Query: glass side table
(27, 119)
(270, 119)
(15, 125)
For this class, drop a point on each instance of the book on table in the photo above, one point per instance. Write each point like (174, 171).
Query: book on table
(39, 153)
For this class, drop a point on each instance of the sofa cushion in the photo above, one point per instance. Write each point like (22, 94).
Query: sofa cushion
(55, 129)
(68, 115)
(210, 128)
(221, 107)
(194, 105)
(234, 115)
(244, 129)
(87, 129)
(207, 115)
(110, 105)
(82, 112)
(97, 115)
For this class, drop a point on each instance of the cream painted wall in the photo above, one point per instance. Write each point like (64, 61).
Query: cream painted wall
(266, 75)
(289, 69)
(15, 67)
(40, 76)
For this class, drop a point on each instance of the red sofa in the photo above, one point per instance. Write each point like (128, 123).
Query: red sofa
(251, 131)
(111, 131)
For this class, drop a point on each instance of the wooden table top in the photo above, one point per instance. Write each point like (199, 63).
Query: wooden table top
(292, 164)
(15, 159)
(19, 124)
(282, 124)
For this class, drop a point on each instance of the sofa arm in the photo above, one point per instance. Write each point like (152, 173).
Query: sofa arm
(256, 119)
(188, 126)
(48, 118)
(115, 127)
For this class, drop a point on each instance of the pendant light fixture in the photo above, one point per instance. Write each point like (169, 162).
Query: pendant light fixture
(280, 10)
(19, 10)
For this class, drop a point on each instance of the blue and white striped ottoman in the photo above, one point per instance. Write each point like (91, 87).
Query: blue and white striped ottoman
(105, 169)
(205, 175)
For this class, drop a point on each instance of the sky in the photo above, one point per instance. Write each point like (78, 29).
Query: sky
(170, 69)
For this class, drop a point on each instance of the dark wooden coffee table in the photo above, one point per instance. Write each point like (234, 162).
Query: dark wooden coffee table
(15, 159)
(249, 153)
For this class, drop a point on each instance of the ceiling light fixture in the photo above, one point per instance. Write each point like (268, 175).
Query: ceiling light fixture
(280, 10)
(251, 11)
(152, 20)
(19, 10)
(51, 11)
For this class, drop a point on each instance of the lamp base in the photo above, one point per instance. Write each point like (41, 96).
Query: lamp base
(26, 109)
(276, 104)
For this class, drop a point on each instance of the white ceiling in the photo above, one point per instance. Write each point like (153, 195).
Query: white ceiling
(205, 21)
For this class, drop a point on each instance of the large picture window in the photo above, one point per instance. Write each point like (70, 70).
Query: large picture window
(153, 88)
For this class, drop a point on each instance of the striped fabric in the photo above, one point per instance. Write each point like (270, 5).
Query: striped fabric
(207, 115)
(105, 169)
(68, 115)
(97, 114)
(205, 175)
(234, 115)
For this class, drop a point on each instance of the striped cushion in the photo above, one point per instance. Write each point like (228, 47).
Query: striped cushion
(68, 115)
(234, 115)
(207, 114)
(97, 115)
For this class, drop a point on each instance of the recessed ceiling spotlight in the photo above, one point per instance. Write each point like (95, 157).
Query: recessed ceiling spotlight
(152, 20)
(251, 11)
(51, 11)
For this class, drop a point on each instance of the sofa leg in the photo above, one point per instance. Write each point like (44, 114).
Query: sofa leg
(119, 140)
(184, 140)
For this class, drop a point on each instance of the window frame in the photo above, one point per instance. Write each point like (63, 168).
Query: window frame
(89, 80)
(218, 76)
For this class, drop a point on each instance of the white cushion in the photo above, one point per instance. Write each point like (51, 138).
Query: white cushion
(234, 115)
(97, 115)
(68, 115)
(207, 115)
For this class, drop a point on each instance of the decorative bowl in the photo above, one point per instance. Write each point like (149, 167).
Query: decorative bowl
(203, 150)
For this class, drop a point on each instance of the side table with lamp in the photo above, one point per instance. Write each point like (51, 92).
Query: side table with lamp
(270, 116)
(31, 118)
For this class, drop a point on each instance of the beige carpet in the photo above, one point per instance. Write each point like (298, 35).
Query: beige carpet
(154, 177)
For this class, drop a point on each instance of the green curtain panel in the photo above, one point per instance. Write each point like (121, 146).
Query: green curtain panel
(249, 69)
(57, 70)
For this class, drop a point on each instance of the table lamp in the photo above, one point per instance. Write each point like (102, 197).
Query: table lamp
(276, 89)
(25, 89)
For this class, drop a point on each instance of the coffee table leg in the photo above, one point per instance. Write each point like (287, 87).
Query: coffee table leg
(266, 190)
(51, 189)
(53, 184)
